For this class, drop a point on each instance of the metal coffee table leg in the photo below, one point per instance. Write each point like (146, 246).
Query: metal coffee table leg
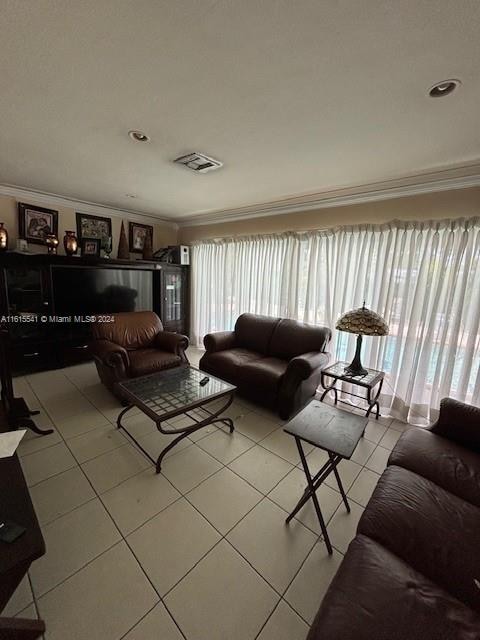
(181, 433)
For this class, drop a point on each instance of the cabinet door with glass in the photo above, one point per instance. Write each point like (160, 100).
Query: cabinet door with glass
(174, 299)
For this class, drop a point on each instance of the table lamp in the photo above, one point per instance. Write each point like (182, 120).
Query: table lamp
(363, 322)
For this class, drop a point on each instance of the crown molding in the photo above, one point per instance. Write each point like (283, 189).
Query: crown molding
(459, 177)
(444, 180)
(22, 194)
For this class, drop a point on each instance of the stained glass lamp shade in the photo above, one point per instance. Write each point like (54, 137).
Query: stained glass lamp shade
(362, 322)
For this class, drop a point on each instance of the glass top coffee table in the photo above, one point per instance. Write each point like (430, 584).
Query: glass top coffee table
(167, 394)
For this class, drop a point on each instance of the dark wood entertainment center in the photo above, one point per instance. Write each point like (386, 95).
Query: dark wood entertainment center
(27, 292)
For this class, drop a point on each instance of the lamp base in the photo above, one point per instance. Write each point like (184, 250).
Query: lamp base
(353, 371)
(355, 368)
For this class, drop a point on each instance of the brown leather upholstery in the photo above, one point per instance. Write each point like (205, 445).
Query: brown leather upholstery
(413, 571)
(130, 330)
(377, 596)
(272, 361)
(145, 361)
(254, 332)
(134, 345)
(428, 528)
(442, 461)
(464, 431)
(225, 363)
(291, 339)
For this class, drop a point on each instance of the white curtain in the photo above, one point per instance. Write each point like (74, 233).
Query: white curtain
(423, 278)
(232, 276)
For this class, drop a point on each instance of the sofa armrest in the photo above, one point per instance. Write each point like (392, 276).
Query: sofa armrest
(109, 353)
(220, 341)
(303, 366)
(458, 422)
(171, 342)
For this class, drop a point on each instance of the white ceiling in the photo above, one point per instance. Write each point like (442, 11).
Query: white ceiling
(294, 96)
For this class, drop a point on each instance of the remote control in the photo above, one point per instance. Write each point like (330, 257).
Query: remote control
(204, 381)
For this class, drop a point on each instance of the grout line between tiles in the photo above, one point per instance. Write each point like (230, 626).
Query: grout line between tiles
(124, 540)
(185, 495)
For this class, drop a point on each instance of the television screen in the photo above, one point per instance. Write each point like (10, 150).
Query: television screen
(88, 291)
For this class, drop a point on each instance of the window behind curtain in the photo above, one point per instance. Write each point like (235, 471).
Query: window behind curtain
(423, 278)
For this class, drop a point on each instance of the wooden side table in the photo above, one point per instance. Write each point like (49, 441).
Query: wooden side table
(335, 431)
(373, 379)
(16, 557)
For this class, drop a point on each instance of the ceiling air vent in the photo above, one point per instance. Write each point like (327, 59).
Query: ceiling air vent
(199, 162)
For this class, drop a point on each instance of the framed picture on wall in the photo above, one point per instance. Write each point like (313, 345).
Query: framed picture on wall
(136, 236)
(90, 247)
(36, 223)
(89, 226)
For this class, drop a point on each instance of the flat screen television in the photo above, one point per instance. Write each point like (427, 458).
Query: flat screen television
(88, 291)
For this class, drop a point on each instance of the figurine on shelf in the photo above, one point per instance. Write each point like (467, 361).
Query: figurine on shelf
(123, 251)
(51, 241)
(70, 243)
(3, 237)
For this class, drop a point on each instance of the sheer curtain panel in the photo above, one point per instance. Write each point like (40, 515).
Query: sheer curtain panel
(423, 278)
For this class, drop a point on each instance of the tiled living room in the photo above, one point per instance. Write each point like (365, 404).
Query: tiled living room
(132, 549)
(239, 320)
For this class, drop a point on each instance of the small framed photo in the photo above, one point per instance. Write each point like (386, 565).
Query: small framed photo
(136, 236)
(89, 227)
(36, 223)
(91, 247)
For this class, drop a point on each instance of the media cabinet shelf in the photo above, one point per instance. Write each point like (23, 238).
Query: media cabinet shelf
(27, 289)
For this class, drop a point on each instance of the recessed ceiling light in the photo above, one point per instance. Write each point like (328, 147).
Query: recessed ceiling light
(138, 136)
(444, 88)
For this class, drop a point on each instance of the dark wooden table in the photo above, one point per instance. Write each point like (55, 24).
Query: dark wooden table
(336, 373)
(167, 394)
(16, 557)
(335, 431)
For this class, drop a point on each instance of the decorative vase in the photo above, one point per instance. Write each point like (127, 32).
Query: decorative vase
(3, 237)
(147, 247)
(123, 251)
(51, 241)
(70, 243)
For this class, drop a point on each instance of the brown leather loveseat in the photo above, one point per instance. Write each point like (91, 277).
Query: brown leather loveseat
(273, 361)
(133, 345)
(413, 570)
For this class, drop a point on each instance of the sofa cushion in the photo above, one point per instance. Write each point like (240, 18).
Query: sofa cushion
(442, 461)
(459, 422)
(133, 330)
(254, 332)
(265, 374)
(226, 364)
(376, 596)
(144, 361)
(435, 532)
(291, 339)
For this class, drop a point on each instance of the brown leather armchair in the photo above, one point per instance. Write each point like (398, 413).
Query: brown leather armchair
(272, 361)
(133, 345)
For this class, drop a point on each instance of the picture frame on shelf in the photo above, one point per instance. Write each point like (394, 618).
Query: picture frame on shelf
(36, 223)
(136, 236)
(90, 247)
(91, 226)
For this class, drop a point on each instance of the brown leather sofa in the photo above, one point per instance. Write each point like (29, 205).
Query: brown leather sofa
(273, 361)
(133, 345)
(413, 570)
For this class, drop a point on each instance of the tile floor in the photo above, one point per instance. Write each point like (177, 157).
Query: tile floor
(201, 551)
